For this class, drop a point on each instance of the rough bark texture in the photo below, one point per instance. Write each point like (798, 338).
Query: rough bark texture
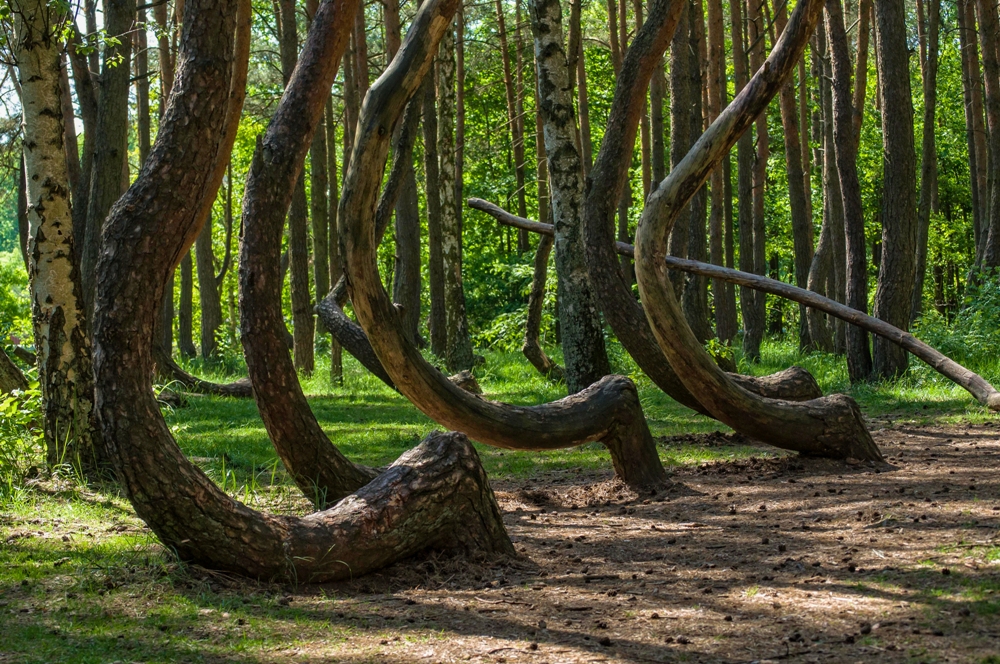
(110, 135)
(989, 35)
(859, 360)
(582, 334)
(976, 385)
(831, 426)
(899, 222)
(608, 411)
(58, 310)
(458, 351)
(11, 377)
(318, 468)
(436, 495)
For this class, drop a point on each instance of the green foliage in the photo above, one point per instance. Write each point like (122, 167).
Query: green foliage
(15, 302)
(21, 443)
(974, 334)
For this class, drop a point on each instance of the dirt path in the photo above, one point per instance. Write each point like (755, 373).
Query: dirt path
(781, 559)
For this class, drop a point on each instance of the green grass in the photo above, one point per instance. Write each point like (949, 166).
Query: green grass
(110, 592)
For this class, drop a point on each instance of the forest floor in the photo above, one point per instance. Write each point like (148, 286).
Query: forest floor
(751, 555)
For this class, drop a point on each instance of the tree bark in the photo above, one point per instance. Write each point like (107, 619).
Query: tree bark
(335, 263)
(110, 136)
(58, 309)
(899, 224)
(989, 34)
(582, 334)
(802, 228)
(514, 123)
(208, 291)
(975, 127)
(680, 128)
(608, 411)
(86, 95)
(185, 312)
(319, 207)
(831, 426)
(532, 347)
(859, 361)
(458, 351)
(438, 324)
(833, 202)
(753, 326)
(928, 152)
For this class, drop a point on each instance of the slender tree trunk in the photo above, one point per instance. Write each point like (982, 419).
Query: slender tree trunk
(928, 163)
(69, 120)
(755, 324)
(514, 123)
(861, 66)
(185, 312)
(523, 239)
(899, 228)
(644, 127)
(859, 361)
(333, 247)
(833, 204)
(532, 347)
(989, 35)
(695, 296)
(458, 353)
(802, 231)
(583, 109)
(582, 334)
(86, 95)
(435, 270)
(164, 327)
(22, 214)
(975, 127)
(657, 92)
(111, 135)
(617, 29)
(680, 129)
(208, 292)
(61, 341)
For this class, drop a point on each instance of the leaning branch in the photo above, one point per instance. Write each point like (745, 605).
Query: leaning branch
(975, 384)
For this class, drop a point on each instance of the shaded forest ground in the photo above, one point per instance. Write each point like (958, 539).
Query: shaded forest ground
(752, 555)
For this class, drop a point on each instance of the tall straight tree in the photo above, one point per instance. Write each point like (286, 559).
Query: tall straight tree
(928, 150)
(859, 362)
(899, 221)
(514, 124)
(64, 356)
(458, 353)
(303, 322)
(438, 324)
(111, 135)
(989, 35)
(582, 335)
(680, 128)
(975, 127)
(319, 211)
(333, 246)
(754, 325)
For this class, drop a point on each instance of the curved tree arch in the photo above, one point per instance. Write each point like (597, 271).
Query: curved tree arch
(607, 411)
(831, 426)
(435, 495)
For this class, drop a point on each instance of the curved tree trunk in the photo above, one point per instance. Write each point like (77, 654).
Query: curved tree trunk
(11, 377)
(830, 426)
(58, 309)
(608, 411)
(436, 495)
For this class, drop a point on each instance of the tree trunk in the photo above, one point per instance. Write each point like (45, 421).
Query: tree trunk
(303, 330)
(22, 213)
(582, 334)
(523, 243)
(899, 224)
(335, 263)
(833, 203)
(975, 127)
(11, 378)
(86, 95)
(208, 291)
(802, 227)
(438, 324)
(458, 351)
(110, 136)
(754, 325)
(859, 361)
(514, 123)
(58, 313)
(831, 426)
(69, 121)
(185, 312)
(532, 347)
(989, 34)
(695, 296)
(583, 110)
(319, 208)
(680, 127)
(928, 159)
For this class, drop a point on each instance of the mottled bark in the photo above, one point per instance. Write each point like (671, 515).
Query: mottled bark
(458, 349)
(582, 334)
(58, 309)
(845, 143)
(110, 135)
(899, 223)
(831, 426)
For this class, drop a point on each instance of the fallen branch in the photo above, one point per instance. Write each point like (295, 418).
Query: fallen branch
(975, 384)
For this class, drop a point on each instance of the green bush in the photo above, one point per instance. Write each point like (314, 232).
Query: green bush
(15, 303)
